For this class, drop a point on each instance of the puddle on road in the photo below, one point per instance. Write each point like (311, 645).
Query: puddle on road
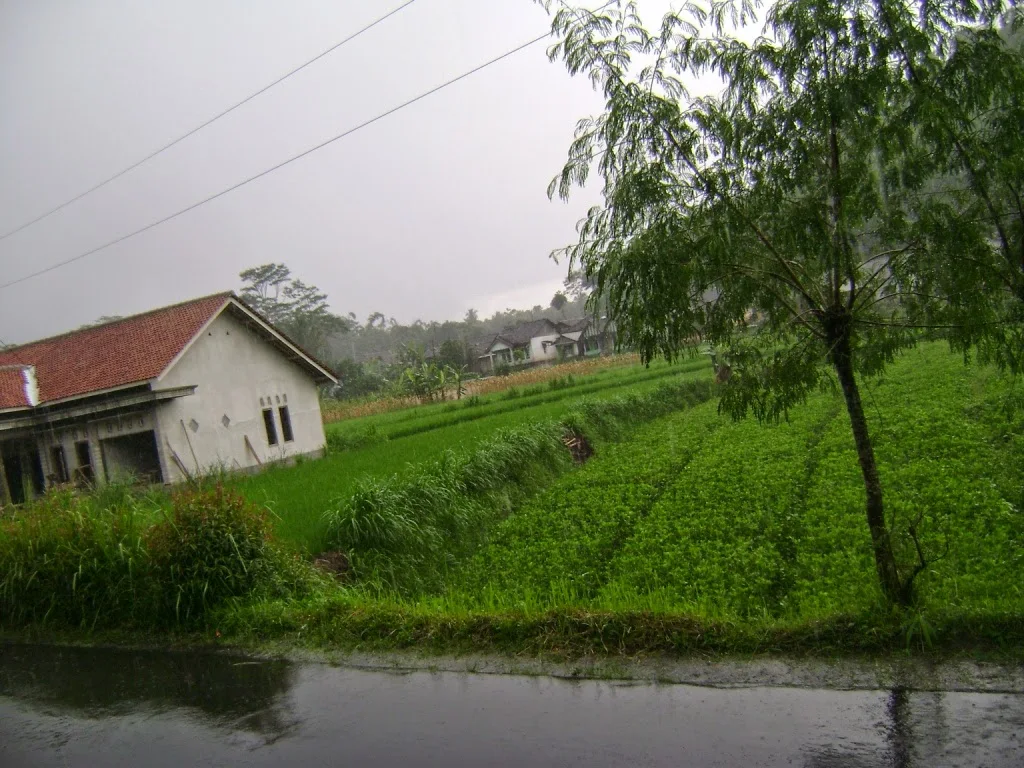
(98, 707)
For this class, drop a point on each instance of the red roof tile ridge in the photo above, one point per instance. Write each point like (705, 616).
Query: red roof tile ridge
(14, 348)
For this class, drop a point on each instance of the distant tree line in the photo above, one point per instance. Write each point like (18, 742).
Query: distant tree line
(374, 356)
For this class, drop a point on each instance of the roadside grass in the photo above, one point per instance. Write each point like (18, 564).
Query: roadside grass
(150, 562)
(300, 495)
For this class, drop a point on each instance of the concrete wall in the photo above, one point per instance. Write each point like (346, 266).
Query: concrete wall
(92, 432)
(237, 374)
(537, 350)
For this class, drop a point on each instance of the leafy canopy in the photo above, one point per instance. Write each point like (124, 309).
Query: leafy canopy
(790, 196)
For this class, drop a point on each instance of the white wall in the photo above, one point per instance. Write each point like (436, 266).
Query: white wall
(537, 350)
(233, 368)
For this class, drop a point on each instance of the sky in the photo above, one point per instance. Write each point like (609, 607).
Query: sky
(435, 209)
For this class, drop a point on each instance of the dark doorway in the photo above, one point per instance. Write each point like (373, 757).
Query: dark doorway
(24, 470)
(132, 457)
(59, 464)
(84, 474)
(15, 479)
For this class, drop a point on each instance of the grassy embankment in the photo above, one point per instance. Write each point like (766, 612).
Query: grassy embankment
(395, 443)
(695, 534)
(700, 534)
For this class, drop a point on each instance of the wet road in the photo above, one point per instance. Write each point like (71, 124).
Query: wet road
(80, 707)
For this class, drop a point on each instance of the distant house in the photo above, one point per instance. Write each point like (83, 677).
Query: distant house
(544, 341)
(163, 396)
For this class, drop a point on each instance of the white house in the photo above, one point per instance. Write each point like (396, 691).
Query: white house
(540, 341)
(167, 395)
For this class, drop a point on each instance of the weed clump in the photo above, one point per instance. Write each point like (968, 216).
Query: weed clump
(338, 441)
(213, 546)
(73, 560)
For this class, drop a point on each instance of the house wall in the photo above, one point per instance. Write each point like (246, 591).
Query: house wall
(94, 432)
(537, 350)
(237, 374)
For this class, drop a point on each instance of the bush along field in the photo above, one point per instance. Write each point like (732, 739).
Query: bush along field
(699, 534)
(625, 523)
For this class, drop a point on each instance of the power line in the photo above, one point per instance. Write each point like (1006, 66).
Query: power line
(282, 164)
(212, 120)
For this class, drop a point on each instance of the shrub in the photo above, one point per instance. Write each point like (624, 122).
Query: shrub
(215, 545)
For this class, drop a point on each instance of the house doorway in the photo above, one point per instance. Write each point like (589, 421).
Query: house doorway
(23, 470)
(132, 458)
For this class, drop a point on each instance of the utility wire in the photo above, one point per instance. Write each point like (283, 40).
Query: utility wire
(212, 120)
(280, 165)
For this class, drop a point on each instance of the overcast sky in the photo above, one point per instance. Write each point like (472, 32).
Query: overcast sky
(436, 209)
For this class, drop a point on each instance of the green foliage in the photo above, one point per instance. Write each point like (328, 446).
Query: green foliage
(406, 532)
(452, 354)
(299, 495)
(735, 522)
(66, 560)
(840, 235)
(70, 560)
(357, 380)
(562, 382)
(214, 545)
(349, 440)
(300, 310)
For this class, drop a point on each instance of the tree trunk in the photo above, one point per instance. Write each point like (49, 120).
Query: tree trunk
(885, 559)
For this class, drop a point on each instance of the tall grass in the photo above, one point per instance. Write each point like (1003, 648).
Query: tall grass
(404, 534)
(112, 559)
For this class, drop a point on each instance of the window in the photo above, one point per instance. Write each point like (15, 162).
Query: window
(286, 424)
(84, 458)
(271, 427)
(59, 464)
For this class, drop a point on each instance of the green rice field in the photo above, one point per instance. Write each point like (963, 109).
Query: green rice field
(300, 495)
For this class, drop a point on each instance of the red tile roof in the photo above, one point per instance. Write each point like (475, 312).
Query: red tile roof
(133, 350)
(12, 388)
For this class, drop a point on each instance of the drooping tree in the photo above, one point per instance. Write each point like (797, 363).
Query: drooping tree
(300, 310)
(788, 196)
(966, 99)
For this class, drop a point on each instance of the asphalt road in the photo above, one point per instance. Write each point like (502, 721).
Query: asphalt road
(80, 707)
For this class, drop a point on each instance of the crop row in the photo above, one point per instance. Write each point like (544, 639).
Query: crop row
(413, 421)
(723, 538)
(557, 547)
(943, 473)
(740, 520)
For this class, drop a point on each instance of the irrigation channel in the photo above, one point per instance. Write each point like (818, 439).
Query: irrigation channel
(99, 707)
